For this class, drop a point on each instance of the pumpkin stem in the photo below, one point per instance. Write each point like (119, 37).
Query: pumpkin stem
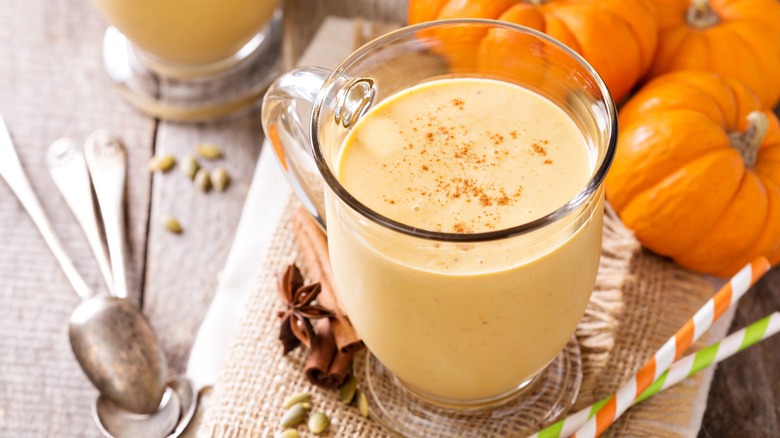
(536, 2)
(700, 14)
(748, 142)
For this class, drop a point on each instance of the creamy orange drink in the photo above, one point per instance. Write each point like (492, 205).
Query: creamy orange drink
(188, 32)
(453, 319)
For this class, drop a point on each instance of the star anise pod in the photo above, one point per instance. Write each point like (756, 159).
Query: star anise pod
(299, 309)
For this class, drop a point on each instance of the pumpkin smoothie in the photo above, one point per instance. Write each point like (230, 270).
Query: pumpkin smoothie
(465, 321)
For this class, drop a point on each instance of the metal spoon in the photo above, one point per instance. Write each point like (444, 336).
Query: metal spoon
(69, 171)
(107, 160)
(170, 420)
(110, 338)
(107, 163)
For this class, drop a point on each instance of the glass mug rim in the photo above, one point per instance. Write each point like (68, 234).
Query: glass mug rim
(345, 196)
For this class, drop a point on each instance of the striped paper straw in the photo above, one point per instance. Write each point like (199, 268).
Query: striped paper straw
(594, 420)
(674, 348)
(680, 370)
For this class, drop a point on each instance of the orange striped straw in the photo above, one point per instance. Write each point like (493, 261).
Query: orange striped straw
(729, 294)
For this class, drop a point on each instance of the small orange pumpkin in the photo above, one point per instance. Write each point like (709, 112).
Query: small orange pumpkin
(736, 38)
(617, 37)
(696, 175)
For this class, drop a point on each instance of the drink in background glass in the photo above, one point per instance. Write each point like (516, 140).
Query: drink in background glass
(463, 203)
(190, 59)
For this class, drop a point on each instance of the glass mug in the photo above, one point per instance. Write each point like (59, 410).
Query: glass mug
(185, 60)
(478, 347)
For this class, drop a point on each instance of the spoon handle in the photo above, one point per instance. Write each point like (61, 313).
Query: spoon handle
(11, 170)
(69, 171)
(107, 163)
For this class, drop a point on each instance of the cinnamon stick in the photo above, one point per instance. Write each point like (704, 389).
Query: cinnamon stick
(340, 368)
(326, 366)
(314, 249)
(321, 354)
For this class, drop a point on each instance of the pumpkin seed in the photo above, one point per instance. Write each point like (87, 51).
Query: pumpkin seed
(172, 224)
(294, 399)
(287, 433)
(209, 151)
(294, 416)
(190, 166)
(220, 179)
(202, 180)
(161, 163)
(362, 403)
(318, 422)
(347, 390)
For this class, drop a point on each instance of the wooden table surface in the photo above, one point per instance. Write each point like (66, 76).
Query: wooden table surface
(52, 85)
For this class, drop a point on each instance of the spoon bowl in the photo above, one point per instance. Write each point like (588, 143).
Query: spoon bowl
(118, 351)
(171, 418)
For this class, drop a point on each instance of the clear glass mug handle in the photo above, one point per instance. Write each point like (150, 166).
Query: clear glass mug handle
(286, 117)
(287, 120)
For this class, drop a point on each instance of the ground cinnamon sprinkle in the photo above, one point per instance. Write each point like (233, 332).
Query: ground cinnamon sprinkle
(475, 172)
(497, 139)
(460, 227)
(539, 149)
(450, 146)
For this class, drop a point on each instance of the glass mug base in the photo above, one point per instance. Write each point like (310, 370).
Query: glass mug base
(522, 412)
(183, 93)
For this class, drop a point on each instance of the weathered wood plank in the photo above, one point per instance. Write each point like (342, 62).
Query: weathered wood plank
(182, 270)
(52, 85)
(744, 399)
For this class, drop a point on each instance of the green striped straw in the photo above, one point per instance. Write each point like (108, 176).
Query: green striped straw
(679, 371)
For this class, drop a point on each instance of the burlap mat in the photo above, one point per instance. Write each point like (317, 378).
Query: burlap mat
(640, 300)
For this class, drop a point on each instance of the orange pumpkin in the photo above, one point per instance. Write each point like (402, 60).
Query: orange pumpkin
(697, 172)
(617, 37)
(736, 38)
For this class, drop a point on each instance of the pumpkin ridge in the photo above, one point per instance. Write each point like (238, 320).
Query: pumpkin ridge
(689, 254)
(769, 242)
(657, 65)
(692, 91)
(643, 27)
(668, 249)
(760, 57)
(739, 11)
(693, 160)
(599, 59)
(554, 12)
(641, 67)
(635, 185)
(709, 63)
(746, 46)
(733, 124)
(550, 12)
(726, 116)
